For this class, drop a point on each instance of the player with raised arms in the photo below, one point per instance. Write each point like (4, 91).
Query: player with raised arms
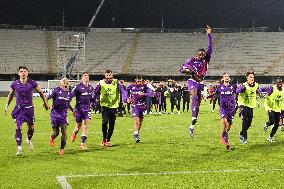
(196, 68)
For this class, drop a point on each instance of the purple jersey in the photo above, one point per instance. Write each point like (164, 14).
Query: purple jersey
(24, 92)
(268, 90)
(227, 96)
(83, 96)
(61, 101)
(199, 67)
(139, 101)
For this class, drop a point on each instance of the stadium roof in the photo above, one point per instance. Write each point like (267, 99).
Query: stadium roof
(145, 13)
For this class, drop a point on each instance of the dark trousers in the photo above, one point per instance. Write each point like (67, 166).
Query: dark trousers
(175, 102)
(214, 102)
(148, 104)
(163, 105)
(185, 101)
(274, 118)
(247, 115)
(108, 121)
(128, 108)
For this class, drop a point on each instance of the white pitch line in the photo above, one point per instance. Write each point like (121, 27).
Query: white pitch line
(62, 180)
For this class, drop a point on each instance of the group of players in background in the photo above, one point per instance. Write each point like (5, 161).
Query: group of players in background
(110, 94)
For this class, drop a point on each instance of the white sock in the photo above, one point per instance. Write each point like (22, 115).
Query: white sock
(192, 126)
(136, 132)
(20, 148)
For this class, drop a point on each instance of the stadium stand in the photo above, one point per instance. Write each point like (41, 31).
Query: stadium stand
(23, 47)
(158, 54)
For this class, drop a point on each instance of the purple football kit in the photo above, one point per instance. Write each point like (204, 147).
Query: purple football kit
(24, 109)
(198, 70)
(138, 101)
(83, 96)
(227, 101)
(61, 102)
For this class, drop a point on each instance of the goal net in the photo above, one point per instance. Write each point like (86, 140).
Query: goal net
(51, 84)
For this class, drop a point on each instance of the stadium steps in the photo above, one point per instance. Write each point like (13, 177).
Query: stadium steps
(51, 52)
(217, 39)
(131, 53)
(275, 64)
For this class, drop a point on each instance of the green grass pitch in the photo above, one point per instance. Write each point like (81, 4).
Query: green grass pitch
(165, 158)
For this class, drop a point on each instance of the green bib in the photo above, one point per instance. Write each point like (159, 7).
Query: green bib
(248, 97)
(275, 100)
(110, 96)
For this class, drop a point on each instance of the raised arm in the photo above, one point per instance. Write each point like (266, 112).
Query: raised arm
(209, 48)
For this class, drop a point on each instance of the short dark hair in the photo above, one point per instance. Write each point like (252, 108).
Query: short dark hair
(85, 73)
(201, 50)
(139, 77)
(108, 71)
(23, 67)
(278, 80)
(250, 72)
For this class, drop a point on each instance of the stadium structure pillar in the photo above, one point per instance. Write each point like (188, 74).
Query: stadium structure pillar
(70, 56)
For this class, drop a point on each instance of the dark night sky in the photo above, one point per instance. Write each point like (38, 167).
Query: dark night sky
(145, 13)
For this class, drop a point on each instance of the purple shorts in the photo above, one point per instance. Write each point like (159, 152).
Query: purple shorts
(23, 114)
(195, 85)
(138, 112)
(58, 119)
(282, 115)
(82, 115)
(227, 113)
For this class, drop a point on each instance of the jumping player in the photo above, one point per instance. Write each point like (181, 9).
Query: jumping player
(196, 67)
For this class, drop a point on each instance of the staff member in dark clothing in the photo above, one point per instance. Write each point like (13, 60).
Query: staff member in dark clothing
(163, 89)
(111, 93)
(185, 97)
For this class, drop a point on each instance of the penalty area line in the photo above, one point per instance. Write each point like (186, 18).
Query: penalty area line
(62, 180)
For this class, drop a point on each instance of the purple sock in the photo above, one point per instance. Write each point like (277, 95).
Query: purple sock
(18, 137)
(225, 136)
(30, 133)
(195, 106)
(84, 138)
